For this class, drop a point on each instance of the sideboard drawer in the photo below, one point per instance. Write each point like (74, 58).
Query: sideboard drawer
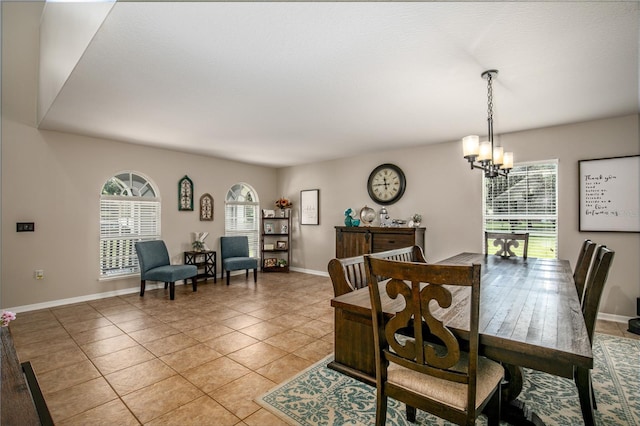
(392, 241)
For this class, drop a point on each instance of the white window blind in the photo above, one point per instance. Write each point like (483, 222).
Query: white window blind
(125, 219)
(241, 216)
(525, 201)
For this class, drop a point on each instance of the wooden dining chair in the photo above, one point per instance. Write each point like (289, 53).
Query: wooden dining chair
(590, 304)
(582, 266)
(435, 377)
(506, 242)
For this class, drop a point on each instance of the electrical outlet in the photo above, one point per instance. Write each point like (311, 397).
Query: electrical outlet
(38, 274)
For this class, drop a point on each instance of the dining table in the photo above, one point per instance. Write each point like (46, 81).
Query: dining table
(530, 317)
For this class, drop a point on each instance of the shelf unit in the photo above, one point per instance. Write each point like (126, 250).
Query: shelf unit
(205, 260)
(275, 241)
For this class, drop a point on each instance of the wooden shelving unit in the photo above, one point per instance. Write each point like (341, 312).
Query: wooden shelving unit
(275, 241)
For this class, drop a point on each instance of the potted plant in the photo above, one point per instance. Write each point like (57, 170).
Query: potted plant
(416, 218)
(197, 245)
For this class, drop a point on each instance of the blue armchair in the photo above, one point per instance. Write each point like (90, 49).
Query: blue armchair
(153, 258)
(235, 256)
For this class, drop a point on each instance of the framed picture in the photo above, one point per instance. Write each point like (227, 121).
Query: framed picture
(185, 194)
(268, 246)
(206, 207)
(282, 245)
(284, 229)
(309, 207)
(268, 228)
(270, 262)
(610, 194)
(268, 213)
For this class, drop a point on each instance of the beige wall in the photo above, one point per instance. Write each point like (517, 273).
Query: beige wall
(441, 187)
(54, 179)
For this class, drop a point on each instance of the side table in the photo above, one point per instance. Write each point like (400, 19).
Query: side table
(206, 260)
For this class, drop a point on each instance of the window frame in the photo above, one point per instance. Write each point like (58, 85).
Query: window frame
(129, 212)
(242, 216)
(540, 216)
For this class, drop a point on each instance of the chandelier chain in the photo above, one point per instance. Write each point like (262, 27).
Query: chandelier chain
(489, 96)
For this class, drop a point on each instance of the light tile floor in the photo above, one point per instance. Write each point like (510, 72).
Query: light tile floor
(197, 360)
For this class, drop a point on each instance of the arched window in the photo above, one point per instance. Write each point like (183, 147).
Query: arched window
(241, 215)
(129, 212)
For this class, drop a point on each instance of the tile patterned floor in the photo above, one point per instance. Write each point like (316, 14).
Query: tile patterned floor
(197, 360)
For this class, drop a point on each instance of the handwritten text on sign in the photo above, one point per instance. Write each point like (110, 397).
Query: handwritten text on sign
(609, 194)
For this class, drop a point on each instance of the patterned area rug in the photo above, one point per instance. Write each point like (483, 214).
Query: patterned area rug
(320, 396)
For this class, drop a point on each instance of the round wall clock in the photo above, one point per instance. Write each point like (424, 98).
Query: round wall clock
(386, 184)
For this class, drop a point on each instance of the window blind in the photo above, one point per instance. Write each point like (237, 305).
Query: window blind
(242, 218)
(525, 201)
(123, 221)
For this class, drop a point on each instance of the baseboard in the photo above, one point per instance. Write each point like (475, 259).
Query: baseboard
(614, 318)
(309, 271)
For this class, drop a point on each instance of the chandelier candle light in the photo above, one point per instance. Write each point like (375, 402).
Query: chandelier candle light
(493, 160)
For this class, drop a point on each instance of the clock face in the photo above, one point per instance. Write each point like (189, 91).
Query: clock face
(386, 184)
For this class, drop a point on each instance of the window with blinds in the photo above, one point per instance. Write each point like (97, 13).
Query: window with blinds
(241, 215)
(129, 212)
(525, 201)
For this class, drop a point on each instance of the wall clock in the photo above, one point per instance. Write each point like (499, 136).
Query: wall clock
(386, 184)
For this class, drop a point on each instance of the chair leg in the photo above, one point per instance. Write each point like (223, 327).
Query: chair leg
(228, 273)
(246, 275)
(142, 286)
(492, 410)
(166, 285)
(381, 409)
(194, 283)
(411, 413)
(583, 382)
(172, 291)
(255, 275)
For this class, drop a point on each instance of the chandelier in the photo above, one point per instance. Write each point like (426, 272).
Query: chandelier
(483, 155)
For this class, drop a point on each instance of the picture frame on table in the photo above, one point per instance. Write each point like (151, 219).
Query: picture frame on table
(268, 228)
(284, 229)
(268, 213)
(281, 245)
(270, 262)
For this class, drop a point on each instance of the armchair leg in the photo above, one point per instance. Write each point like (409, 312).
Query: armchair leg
(172, 290)
(246, 275)
(166, 285)
(255, 275)
(228, 273)
(142, 286)
(194, 283)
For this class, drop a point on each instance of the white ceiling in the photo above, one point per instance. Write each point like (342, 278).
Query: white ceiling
(282, 84)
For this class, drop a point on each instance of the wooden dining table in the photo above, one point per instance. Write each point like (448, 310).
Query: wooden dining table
(530, 316)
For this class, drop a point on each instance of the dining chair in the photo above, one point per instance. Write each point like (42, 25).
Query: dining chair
(582, 266)
(436, 377)
(234, 252)
(590, 305)
(506, 242)
(153, 259)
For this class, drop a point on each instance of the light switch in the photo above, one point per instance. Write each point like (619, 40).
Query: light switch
(25, 227)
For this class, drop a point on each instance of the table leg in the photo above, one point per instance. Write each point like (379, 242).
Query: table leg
(513, 411)
(585, 392)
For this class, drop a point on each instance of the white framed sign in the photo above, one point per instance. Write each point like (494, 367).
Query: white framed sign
(310, 207)
(610, 194)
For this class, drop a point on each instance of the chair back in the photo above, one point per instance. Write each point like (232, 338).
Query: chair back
(506, 242)
(595, 285)
(234, 246)
(151, 254)
(582, 266)
(419, 284)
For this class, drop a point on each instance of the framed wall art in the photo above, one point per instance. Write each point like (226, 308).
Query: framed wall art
(309, 207)
(185, 194)
(610, 194)
(206, 207)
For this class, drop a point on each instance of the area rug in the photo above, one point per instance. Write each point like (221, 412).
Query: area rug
(321, 396)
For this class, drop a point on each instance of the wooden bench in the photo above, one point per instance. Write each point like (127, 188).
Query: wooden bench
(348, 274)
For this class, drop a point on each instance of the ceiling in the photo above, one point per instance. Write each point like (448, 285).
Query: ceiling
(281, 84)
